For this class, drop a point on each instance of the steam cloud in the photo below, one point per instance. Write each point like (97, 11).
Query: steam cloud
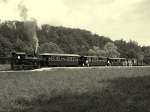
(23, 11)
(30, 26)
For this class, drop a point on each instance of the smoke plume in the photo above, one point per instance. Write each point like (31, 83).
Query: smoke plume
(29, 25)
(23, 11)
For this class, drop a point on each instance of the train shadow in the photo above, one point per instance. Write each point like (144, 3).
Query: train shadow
(122, 95)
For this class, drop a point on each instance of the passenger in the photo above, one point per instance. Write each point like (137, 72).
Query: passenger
(87, 62)
(19, 57)
(125, 63)
(108, 63)
(83, 64)
(129, 63)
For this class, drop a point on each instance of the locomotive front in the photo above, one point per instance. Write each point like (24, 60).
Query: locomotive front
(20, 61)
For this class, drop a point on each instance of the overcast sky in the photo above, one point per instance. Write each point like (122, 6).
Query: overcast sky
(117, 19)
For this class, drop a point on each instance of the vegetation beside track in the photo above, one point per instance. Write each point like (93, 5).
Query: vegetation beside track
(124, 89)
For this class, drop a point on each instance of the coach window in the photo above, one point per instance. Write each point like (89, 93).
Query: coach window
(100, 59)
(62, 58)
(49, 58)
(89, 59)
(76, 58)
(57, 58)
(93, 59)
(73, 59)
(96, 59)
(68, 58)
(53, 58)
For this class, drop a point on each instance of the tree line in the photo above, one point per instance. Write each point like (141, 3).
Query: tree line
(14, 37)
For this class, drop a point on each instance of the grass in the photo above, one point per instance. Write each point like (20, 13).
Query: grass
(4, 67)
(76, 90)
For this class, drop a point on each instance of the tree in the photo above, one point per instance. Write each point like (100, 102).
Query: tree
(49, 47)
(96, 51)
(146, 53)
(5, 46)
(111, 50)
(133, 49)
(122, 47)
(140, 58)
(146, 50)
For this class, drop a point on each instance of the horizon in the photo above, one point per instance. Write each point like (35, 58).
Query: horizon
(116, 19)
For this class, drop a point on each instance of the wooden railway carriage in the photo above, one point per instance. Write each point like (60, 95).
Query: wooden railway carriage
(53, 59)
(118, 61)
(95, 61)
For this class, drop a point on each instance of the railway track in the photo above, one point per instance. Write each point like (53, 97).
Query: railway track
(77, 68)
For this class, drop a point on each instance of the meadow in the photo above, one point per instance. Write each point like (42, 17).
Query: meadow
(4, 67)
(106, 89)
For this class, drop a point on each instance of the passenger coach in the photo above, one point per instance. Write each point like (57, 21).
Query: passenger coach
(95, 60)
(118, 61)
(53, 59)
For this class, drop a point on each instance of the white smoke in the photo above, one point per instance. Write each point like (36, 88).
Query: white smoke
(23, 11)
(30, 26)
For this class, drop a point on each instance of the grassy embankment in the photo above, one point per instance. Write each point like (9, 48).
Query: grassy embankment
(80, 90)
(4, 67)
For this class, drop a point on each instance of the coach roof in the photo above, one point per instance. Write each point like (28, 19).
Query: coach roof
(56, 54)
(95, 56)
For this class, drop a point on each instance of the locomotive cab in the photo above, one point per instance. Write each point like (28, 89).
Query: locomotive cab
(16, 59)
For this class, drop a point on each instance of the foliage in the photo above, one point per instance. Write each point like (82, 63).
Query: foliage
(97, 51)
(111, 50)
(49, 48)
(146, 53)
(131, 49)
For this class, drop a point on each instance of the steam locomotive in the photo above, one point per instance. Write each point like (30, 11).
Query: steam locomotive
(20, 61)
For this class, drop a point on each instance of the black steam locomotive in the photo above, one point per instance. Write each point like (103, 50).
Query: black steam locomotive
(20, 61)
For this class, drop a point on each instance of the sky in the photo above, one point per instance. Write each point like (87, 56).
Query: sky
(117, 19)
